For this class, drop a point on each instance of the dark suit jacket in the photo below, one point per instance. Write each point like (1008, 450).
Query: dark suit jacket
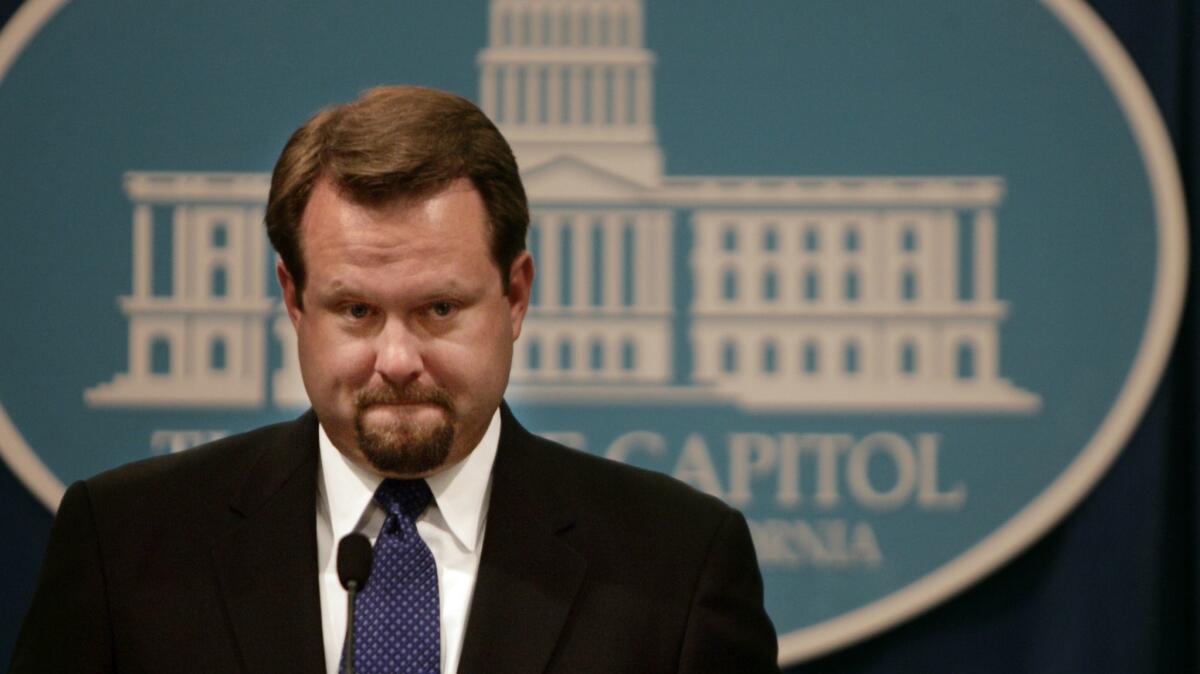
(206, 561)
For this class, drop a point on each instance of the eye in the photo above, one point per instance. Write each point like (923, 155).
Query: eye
(358, 310)
(442, 309)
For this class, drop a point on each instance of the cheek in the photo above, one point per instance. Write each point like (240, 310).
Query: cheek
(451, 364)
(484, 360)
(460, 365)
(334, 359)
(472, 361)
(353, 364)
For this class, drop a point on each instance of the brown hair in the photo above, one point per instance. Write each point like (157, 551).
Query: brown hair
(398, 142)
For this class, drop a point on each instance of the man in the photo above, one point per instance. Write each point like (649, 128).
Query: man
(400, 222)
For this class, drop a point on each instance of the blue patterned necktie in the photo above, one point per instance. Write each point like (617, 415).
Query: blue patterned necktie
(397, 617)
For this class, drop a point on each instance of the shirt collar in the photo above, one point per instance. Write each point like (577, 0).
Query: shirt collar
(460, 491)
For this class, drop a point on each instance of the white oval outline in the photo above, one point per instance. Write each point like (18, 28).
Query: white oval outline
(1049, 507)
(1035, 518)
(27, 466)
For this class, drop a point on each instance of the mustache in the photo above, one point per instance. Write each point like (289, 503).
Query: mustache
(412, 393)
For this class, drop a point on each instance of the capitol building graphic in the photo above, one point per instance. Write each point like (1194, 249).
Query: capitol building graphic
(794, 293)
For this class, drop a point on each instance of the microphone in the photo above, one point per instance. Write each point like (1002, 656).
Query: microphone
(353, 567)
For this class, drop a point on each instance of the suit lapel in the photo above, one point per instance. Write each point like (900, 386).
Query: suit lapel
(267, 561)
(528, 575)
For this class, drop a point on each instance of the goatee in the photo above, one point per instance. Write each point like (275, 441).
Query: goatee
(405, 446)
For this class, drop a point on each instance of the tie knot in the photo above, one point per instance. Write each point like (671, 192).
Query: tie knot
(403, 498)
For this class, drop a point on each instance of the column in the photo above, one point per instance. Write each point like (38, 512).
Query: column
(787, 357)
(519, 34)
(535, 26)
(873, 363)
(620, 102)
(593, 24)
(643, 263)
(554, 95)
(200, 255)
(879, 277)
(256, 256)
(510, 94)
(948, 255)
(143, 251)
(666, 260)
(495, 24)
(748, 356)
(577, 25)
(985, 255)
(581, 263)
(929, 282)
(750, 263)
(576, 96)
(612, 355)
(644, 110)
(237, 262)
(613, 264)
(180, 287)
(926, 358)
(935, 248)
(635, 25)
(631, 95)
(553, 26)
(533, 94)
(183, 353)
(599, 100)
(566, 31)
(652, 259)
(829, 266)
(791, 274)
(550, 267)
(487, 90)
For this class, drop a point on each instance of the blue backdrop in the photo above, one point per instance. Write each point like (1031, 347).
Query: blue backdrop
(1112, 588)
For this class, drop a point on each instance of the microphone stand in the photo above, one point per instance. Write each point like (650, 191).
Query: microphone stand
(354, 568)
(351, 596)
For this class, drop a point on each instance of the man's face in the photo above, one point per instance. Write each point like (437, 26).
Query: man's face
(405, 335)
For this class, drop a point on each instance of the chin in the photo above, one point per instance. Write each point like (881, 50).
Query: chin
(399, 449)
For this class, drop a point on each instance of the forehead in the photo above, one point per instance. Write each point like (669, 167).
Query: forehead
(452, 220)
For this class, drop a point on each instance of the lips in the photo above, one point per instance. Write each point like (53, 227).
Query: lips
(401, 405)
(411, 395)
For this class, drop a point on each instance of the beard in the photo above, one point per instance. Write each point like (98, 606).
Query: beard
(405, 446)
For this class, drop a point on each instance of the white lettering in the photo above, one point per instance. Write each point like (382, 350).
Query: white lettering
(828, 448)
(882, 471)
(863, 545)
(787, 492)
(826, 543)
(750, 455)
(858, 476)
(928, 495)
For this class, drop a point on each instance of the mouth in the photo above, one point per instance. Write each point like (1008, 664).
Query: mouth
(406, 402)
(378, 412)
(404, 406)
(413, 403)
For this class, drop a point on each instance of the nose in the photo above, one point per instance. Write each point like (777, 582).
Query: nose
(398, 356)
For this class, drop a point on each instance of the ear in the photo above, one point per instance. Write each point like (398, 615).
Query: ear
(291, 295)
(520, 284)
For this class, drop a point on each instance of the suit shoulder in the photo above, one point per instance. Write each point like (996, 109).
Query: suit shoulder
(604, 481)
(210, 467)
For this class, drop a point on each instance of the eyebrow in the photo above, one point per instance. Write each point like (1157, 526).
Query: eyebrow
(339, 288)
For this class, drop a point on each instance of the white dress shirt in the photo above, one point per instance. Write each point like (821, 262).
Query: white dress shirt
(452, 526)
